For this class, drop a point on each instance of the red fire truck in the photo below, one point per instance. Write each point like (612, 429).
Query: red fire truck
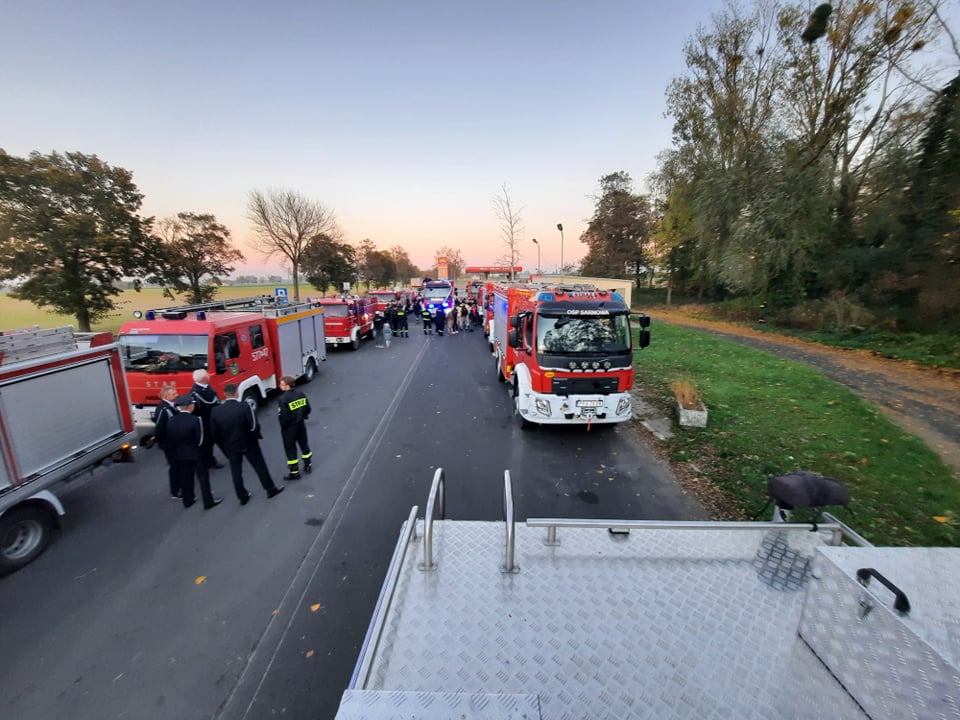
(348, 319)
(64, 408)
(567, 351)
(383, 297)
(251, 342)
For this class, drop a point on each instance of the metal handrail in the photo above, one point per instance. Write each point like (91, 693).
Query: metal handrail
(838, 529)
(509, 566)
(375, 630)
(436, 492)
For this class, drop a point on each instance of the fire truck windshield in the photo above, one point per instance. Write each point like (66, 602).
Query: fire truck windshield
(164, 353)
(438, 293)
(607, 334)
(336, 311)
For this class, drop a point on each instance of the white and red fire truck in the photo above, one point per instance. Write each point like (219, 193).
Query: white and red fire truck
(567, 350)
(64, 408)
(383, 297)
(348, 319)
(251, 342)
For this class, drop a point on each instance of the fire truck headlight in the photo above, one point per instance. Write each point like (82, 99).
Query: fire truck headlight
(596, 366)
(543, 407)
(573, 365)
(607, 364)
(623, 406)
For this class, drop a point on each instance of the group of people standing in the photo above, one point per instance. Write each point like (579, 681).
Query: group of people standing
(188, 426)
(464, 315)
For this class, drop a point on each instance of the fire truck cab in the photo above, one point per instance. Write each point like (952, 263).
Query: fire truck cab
(348, 319)
(567, 351)
(251, 342)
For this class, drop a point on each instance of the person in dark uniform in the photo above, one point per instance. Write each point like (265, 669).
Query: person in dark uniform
(206, 399)
(427, 321)
(401, 320)
(294, 409)
(378, 322)
(237, 431)
(185, 435)
(440, 319)
(161, 416)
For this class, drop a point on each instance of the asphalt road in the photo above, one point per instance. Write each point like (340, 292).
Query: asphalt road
(145, 610)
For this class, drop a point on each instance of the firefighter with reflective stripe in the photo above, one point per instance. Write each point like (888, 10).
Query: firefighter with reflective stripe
(400, 318)
(294, 409)
(427, 320)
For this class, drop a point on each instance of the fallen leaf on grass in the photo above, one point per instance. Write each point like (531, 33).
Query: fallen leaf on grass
(941, 518)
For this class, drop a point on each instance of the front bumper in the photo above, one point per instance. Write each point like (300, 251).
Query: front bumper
(547, 409)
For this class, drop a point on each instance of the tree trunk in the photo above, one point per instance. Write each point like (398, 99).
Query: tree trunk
(83, 320)
(296, 281)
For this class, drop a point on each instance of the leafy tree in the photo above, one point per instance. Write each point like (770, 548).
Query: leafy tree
(197, 255)
(365, 260)
(618, 231)
(329, 263)
(70, 230)
(285, 222)
(405, 267)
(381, 269)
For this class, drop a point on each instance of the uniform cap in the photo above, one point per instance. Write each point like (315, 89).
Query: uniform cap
(184, 400)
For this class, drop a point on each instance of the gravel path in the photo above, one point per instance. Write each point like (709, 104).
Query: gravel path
(924, 401)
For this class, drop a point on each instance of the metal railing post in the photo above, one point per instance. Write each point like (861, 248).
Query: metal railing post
(436, 495)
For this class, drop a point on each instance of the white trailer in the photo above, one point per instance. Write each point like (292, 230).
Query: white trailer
(566, 618)
(64, 408)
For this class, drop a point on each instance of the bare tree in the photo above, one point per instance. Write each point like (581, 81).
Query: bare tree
(511, 225)
(285, 222)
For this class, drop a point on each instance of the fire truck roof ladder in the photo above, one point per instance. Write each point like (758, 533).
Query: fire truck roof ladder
(19, 345)
(256, 301)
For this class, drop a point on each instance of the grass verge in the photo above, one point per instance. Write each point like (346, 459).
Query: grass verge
(768, 416)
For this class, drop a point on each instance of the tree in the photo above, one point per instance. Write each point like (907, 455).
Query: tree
(405, 267)
(381, 269)
(70, 230)
(618, 230)
(285, 222)
(329, 263)
(197, 255)
(365, 252)
(510, 219)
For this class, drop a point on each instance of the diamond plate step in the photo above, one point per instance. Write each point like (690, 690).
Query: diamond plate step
(396, 705)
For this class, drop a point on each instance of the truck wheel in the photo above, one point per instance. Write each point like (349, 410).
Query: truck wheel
(355, 343)
(252, 398)
(311, 371)
(24, 533)
(500, 375)
(523, 422)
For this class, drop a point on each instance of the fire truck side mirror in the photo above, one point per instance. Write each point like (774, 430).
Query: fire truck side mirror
(513, 338)
(644, 320)
(644, 339)
(514, 322)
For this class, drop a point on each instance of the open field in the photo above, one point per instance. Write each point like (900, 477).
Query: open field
(16, 314)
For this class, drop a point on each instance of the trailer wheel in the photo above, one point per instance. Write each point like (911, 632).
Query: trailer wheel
(523, 422)
(252, 398)
(311, 371)
(25, 532)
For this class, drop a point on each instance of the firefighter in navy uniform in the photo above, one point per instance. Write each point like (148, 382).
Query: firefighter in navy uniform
(427, 320)
(401, 329)
(294, 409)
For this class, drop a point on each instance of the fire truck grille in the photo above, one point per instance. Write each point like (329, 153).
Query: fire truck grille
(584, 386)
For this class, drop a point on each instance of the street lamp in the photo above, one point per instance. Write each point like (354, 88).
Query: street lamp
(560, 228)
(538, 255)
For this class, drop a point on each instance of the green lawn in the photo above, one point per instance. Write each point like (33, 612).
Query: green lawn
(768, 416)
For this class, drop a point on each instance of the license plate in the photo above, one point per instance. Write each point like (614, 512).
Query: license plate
(589, 403)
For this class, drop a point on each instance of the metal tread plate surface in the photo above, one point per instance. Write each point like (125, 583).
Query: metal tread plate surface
(654, 624)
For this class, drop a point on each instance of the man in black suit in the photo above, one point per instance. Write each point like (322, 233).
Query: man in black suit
(185, 436)
(206, 399)
(236, 430)
(161, 416)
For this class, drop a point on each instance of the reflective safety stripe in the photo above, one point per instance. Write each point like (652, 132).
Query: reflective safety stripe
(308, 456)
(293, 462)
(302, 402)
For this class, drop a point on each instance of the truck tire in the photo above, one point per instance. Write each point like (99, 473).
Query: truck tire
(310, 372)
(521, 420)
(252, 398)
(500, 375)
(25, 532)
(355, 343)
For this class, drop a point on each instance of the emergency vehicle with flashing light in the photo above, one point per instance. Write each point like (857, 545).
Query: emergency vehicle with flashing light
(567, 351)
(249, 341)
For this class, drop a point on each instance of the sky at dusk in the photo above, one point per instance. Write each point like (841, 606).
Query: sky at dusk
(406, 119)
